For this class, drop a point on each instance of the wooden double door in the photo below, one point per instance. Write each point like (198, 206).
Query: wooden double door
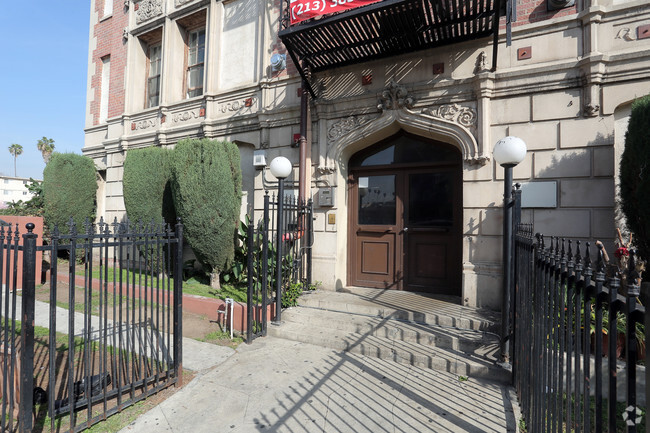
(405, 225)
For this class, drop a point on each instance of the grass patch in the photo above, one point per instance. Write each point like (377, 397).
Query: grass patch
(196, 285)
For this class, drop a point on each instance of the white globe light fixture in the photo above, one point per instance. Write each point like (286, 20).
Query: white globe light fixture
(508, 152)
(281, 167)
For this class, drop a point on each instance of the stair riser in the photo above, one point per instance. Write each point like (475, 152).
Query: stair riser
(390, 332)
(389, 353)
(386, 313)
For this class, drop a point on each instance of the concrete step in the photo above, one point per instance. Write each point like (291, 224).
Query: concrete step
(443, 337)
(392, 304)
(461, 352)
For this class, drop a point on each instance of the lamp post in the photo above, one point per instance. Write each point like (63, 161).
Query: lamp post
(508, 152)
(280, 168)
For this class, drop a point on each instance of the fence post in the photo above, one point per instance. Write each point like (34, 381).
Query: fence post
(645, 298)
(178, 305)
(516, 220)
(310, 238)
(265, 262)
(249, 298)
(27, 330)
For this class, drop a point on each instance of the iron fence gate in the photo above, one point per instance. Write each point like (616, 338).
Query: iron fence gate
(568, 316)
(110, 333)
(279, 256)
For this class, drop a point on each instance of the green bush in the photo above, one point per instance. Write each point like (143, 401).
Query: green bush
(635, 176)
(207, 196)
(69, 190)
(147, 186)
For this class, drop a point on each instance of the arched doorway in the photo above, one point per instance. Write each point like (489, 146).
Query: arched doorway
(405, 216)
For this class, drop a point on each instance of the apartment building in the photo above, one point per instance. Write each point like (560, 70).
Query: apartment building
(389, 111)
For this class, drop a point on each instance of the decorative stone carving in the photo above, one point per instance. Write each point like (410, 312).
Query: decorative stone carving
(178, 3)
(481, 63)
(125, 33)
(127, 3)
(591, 110)
(143, 124)
(325, 170)
(148, 9)
(395, 97)
(478, 160)
(237, 105)
(464, 116)
(344, 126)
(625, 33)
(185, 116)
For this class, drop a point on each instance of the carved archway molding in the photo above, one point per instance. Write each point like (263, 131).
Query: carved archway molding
(362, 132)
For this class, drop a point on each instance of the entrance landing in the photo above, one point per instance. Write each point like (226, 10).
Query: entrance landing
(401, 305)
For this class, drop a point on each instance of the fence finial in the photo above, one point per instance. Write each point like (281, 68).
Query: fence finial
(578, 257)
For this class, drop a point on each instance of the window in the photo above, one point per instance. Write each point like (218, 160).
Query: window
(108, 8)
(6, 180)
(6, 192)
(24, 192)
(104, 91)
(153, 80)
(195, 59)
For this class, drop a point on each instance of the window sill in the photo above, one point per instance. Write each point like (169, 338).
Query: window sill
(105, 17)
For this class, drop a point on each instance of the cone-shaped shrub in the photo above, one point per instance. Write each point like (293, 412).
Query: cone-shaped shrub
(147, 185)
(635, 176)
(207, 197)
(69, 190)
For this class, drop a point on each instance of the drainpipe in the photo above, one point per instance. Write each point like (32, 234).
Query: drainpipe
(303, 142)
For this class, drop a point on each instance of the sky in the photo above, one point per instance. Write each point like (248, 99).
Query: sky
(43, 68)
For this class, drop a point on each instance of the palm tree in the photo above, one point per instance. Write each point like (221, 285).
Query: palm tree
(15, 150)
(46, 146)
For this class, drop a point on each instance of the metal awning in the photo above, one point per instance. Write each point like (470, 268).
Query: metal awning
(386, 28)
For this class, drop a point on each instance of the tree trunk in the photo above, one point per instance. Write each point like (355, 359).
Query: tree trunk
(214, 281)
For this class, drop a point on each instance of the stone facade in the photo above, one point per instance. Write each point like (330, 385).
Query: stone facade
(568, 99)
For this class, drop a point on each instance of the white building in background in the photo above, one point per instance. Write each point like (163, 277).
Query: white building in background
(13, 189)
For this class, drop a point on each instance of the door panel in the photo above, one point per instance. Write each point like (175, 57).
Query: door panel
(376, 259)
(374, 231)
(432, 253)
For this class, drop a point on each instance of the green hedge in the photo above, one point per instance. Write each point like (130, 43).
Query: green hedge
(147, 187)
(207, 197)
(69, 190)
(635, 176)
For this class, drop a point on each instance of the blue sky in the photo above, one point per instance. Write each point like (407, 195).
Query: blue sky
(43, 67)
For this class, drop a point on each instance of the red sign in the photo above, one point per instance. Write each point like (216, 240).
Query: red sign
(301, 10)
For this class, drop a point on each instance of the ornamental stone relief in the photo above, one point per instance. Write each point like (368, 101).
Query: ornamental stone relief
(185, 116)
(143, 124)
(464, 116)
(394, 97)
(178, 3)
(342, 127)
(237, 105)
(148, 9)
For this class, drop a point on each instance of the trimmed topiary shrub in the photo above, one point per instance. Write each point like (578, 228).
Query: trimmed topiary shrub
(147, 185)
(635, 176)
(69, 190)
(207, 197)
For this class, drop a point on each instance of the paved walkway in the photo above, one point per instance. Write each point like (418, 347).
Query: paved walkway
(275, 385)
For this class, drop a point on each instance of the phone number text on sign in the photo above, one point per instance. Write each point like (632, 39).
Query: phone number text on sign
(304, 9)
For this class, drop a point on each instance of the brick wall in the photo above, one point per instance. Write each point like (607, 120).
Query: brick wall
(532, 11)
(108, 33)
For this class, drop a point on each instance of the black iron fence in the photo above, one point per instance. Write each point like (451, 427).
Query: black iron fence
(571, 316)
(279, 259)
(109, 333)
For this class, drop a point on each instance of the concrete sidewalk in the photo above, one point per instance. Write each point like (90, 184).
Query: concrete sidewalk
(276, 385)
